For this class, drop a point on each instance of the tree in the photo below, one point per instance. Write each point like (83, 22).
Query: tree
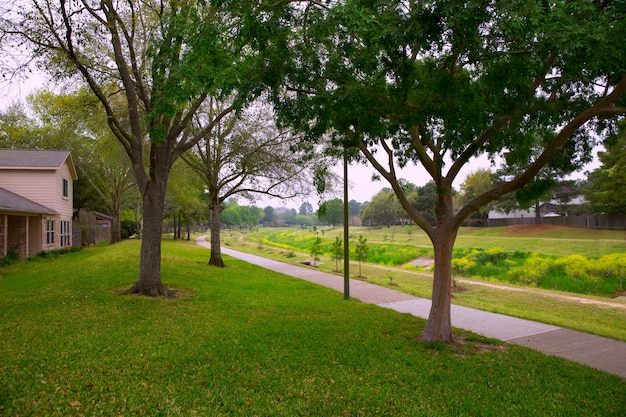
(184, 197)
(542, 186)
(286, 216)
(244, 154)
(305, 209)
(361, 251)
(439, 83)
(423, 200)
(474, 185)
(303, 220)
(78, 121)
(331, 211)
(383, 209)
(606, 188)
(355, 207)
(15, 126)
(316, 249)
(337, 252)
(268, 217)
(565, 193)
(161, 60)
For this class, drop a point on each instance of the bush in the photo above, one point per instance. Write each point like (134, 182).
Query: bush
(53, 254)
(10, 258)
(462, 265)
(532, 272)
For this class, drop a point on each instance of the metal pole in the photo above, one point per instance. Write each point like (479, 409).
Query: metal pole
(346, 231)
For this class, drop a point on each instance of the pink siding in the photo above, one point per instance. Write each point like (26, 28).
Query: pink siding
(43, 186)
(38, 186)
(63, 205)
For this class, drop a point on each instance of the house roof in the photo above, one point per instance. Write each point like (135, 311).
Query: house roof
(13, 203)
(36, 159)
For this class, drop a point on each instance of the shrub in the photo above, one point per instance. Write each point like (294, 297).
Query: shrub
(462, 265)
(10, 258)
(574, 266)
(532, 272)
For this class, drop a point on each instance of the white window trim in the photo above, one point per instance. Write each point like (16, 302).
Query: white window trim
(65, 189)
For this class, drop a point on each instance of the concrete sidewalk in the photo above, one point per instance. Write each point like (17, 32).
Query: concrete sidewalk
(597, 352)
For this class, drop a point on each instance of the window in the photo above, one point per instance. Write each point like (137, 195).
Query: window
(65, 233)
(66, 188)
(50, 232)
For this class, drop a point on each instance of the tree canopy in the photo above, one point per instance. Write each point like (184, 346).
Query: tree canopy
(384, 209)
(245, 154)
(606, 189)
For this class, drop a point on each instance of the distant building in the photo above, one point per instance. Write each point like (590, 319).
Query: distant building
(36, 201)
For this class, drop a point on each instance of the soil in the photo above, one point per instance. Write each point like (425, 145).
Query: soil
(530, 229)
(423, 262)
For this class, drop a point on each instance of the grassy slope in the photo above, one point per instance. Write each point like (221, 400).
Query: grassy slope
(251, 342)
(553, 240)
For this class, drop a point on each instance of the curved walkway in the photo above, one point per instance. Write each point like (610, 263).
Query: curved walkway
(597, 352)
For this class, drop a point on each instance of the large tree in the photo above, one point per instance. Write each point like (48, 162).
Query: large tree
(476, 183)
(162, 59)
(606, 188)
(331, 212)
(383, 209)
(76, 121)
(438, 83)
(246, 154)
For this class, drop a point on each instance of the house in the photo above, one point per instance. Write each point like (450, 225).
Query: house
(36, 201)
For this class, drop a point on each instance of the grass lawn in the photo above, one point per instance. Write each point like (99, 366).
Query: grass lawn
(545, 239)
(587, 313)
(243, 341)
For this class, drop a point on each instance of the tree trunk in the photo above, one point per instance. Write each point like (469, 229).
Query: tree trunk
(439, 325)
(188, 227)
(216, 251)
(537, 213)
(116, 227)
(174, 225)
(149, 281)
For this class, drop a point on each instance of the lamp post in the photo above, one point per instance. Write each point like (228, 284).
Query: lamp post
(346, 232)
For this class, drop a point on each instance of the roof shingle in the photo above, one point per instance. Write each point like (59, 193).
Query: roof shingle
(29, 158)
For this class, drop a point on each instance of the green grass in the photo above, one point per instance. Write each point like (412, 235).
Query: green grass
(555, 240)
(244, 341)
(531, 255)
(586, 313)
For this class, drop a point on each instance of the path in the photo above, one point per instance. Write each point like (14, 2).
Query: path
(597, 352)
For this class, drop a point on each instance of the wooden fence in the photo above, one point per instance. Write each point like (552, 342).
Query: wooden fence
(586, 221)
(97, 233)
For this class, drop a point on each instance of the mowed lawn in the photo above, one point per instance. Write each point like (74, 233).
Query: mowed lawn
(242, 341)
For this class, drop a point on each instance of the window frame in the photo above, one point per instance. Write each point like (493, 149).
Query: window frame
(66, 188)
(50, 226)
(65, 233)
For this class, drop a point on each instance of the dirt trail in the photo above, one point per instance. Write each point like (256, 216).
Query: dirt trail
(574, 298)
(546, 293)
